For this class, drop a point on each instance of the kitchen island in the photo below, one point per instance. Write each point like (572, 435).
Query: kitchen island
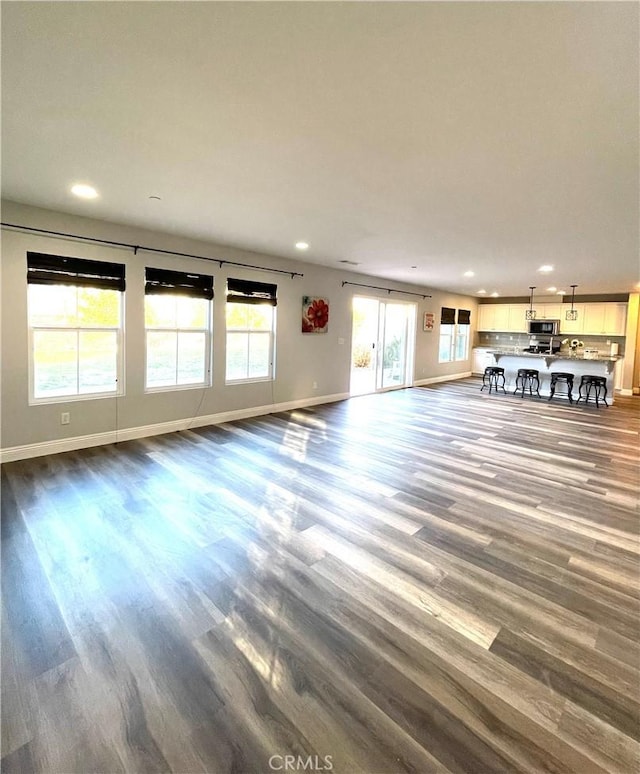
(511, 360)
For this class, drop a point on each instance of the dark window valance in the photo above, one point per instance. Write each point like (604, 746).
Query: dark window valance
(44, 269)
(464, 317)
(447, 316)
(249, 292)
(159, 281)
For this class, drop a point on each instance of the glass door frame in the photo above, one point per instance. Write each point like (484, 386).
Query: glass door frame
(379, 348)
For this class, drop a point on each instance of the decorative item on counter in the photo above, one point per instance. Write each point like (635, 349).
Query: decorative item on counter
(572, 314)
(574, 345)
(530, 314)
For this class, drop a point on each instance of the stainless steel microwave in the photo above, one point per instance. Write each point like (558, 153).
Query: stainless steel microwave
(544, 327)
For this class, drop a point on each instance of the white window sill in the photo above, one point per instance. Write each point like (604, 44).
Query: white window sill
(74, 398)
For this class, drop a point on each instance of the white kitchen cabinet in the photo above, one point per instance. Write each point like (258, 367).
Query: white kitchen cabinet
(615, 319)
(493, 317)
(549, 311)
(572, 327)
(593, 320)
(604, 319)
(481, 358)
(517, 318)
(596, 319)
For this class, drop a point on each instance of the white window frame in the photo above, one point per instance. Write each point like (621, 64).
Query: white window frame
(119, 391)
(207, 352)
(272, 348)
(457, 332)
(452, 338)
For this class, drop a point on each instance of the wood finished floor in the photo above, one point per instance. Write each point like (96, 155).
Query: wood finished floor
(427, 580)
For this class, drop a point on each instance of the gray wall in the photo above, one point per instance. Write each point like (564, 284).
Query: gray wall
(300, 360)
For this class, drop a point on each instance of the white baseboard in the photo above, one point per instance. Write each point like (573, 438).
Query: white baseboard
(625, 392)
(447, 378)
(13, 453)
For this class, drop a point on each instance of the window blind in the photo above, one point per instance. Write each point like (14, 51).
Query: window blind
(447, 316)
(249, 292)
(44, 269)
(159, 281)
(464, 317)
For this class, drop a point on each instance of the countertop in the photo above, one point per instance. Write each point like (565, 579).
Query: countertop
(513, 352)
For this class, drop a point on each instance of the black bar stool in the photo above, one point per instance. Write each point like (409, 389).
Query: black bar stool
(562, 376)
(493, 373)
(527, 378)
(599, 386)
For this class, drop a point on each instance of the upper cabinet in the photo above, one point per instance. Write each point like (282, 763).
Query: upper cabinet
(572, 327)
(493, 317)
(549, 311)
(518, 318)
(596, 319)
(607, 319)
(508, 318)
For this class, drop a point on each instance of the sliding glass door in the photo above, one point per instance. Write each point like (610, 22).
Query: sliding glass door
(382, 345)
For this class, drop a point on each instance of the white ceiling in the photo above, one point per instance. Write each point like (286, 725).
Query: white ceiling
(494, 137)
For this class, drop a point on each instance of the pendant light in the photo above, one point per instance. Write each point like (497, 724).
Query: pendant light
(530, 314)
(572, 314)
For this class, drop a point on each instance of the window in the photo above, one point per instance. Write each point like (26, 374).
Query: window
(177, 311)
(462, 335)
(454, 338)
(75, 327)
(250, 330)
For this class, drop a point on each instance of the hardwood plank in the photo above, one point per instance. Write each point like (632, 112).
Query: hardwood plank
(426, 580)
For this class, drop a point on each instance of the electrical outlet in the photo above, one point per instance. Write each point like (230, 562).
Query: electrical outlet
(315, 385)
(65, 418)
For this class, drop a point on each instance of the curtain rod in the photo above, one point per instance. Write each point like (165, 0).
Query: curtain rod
(389, 290)
(136, 248)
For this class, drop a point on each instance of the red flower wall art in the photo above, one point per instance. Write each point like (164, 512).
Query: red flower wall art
(315, 314)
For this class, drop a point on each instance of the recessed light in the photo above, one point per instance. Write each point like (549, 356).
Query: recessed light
(302, 245)
(546, 268)
(469, 273)
(494, 294)
(561, 293)
(552, 289)
(157, 198)
(84, 191)
(482, 291)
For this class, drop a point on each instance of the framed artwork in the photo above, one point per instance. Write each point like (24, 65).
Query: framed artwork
(315, 314)
(428, 321)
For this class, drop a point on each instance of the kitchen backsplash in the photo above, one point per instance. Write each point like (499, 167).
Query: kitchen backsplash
(521, 340)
